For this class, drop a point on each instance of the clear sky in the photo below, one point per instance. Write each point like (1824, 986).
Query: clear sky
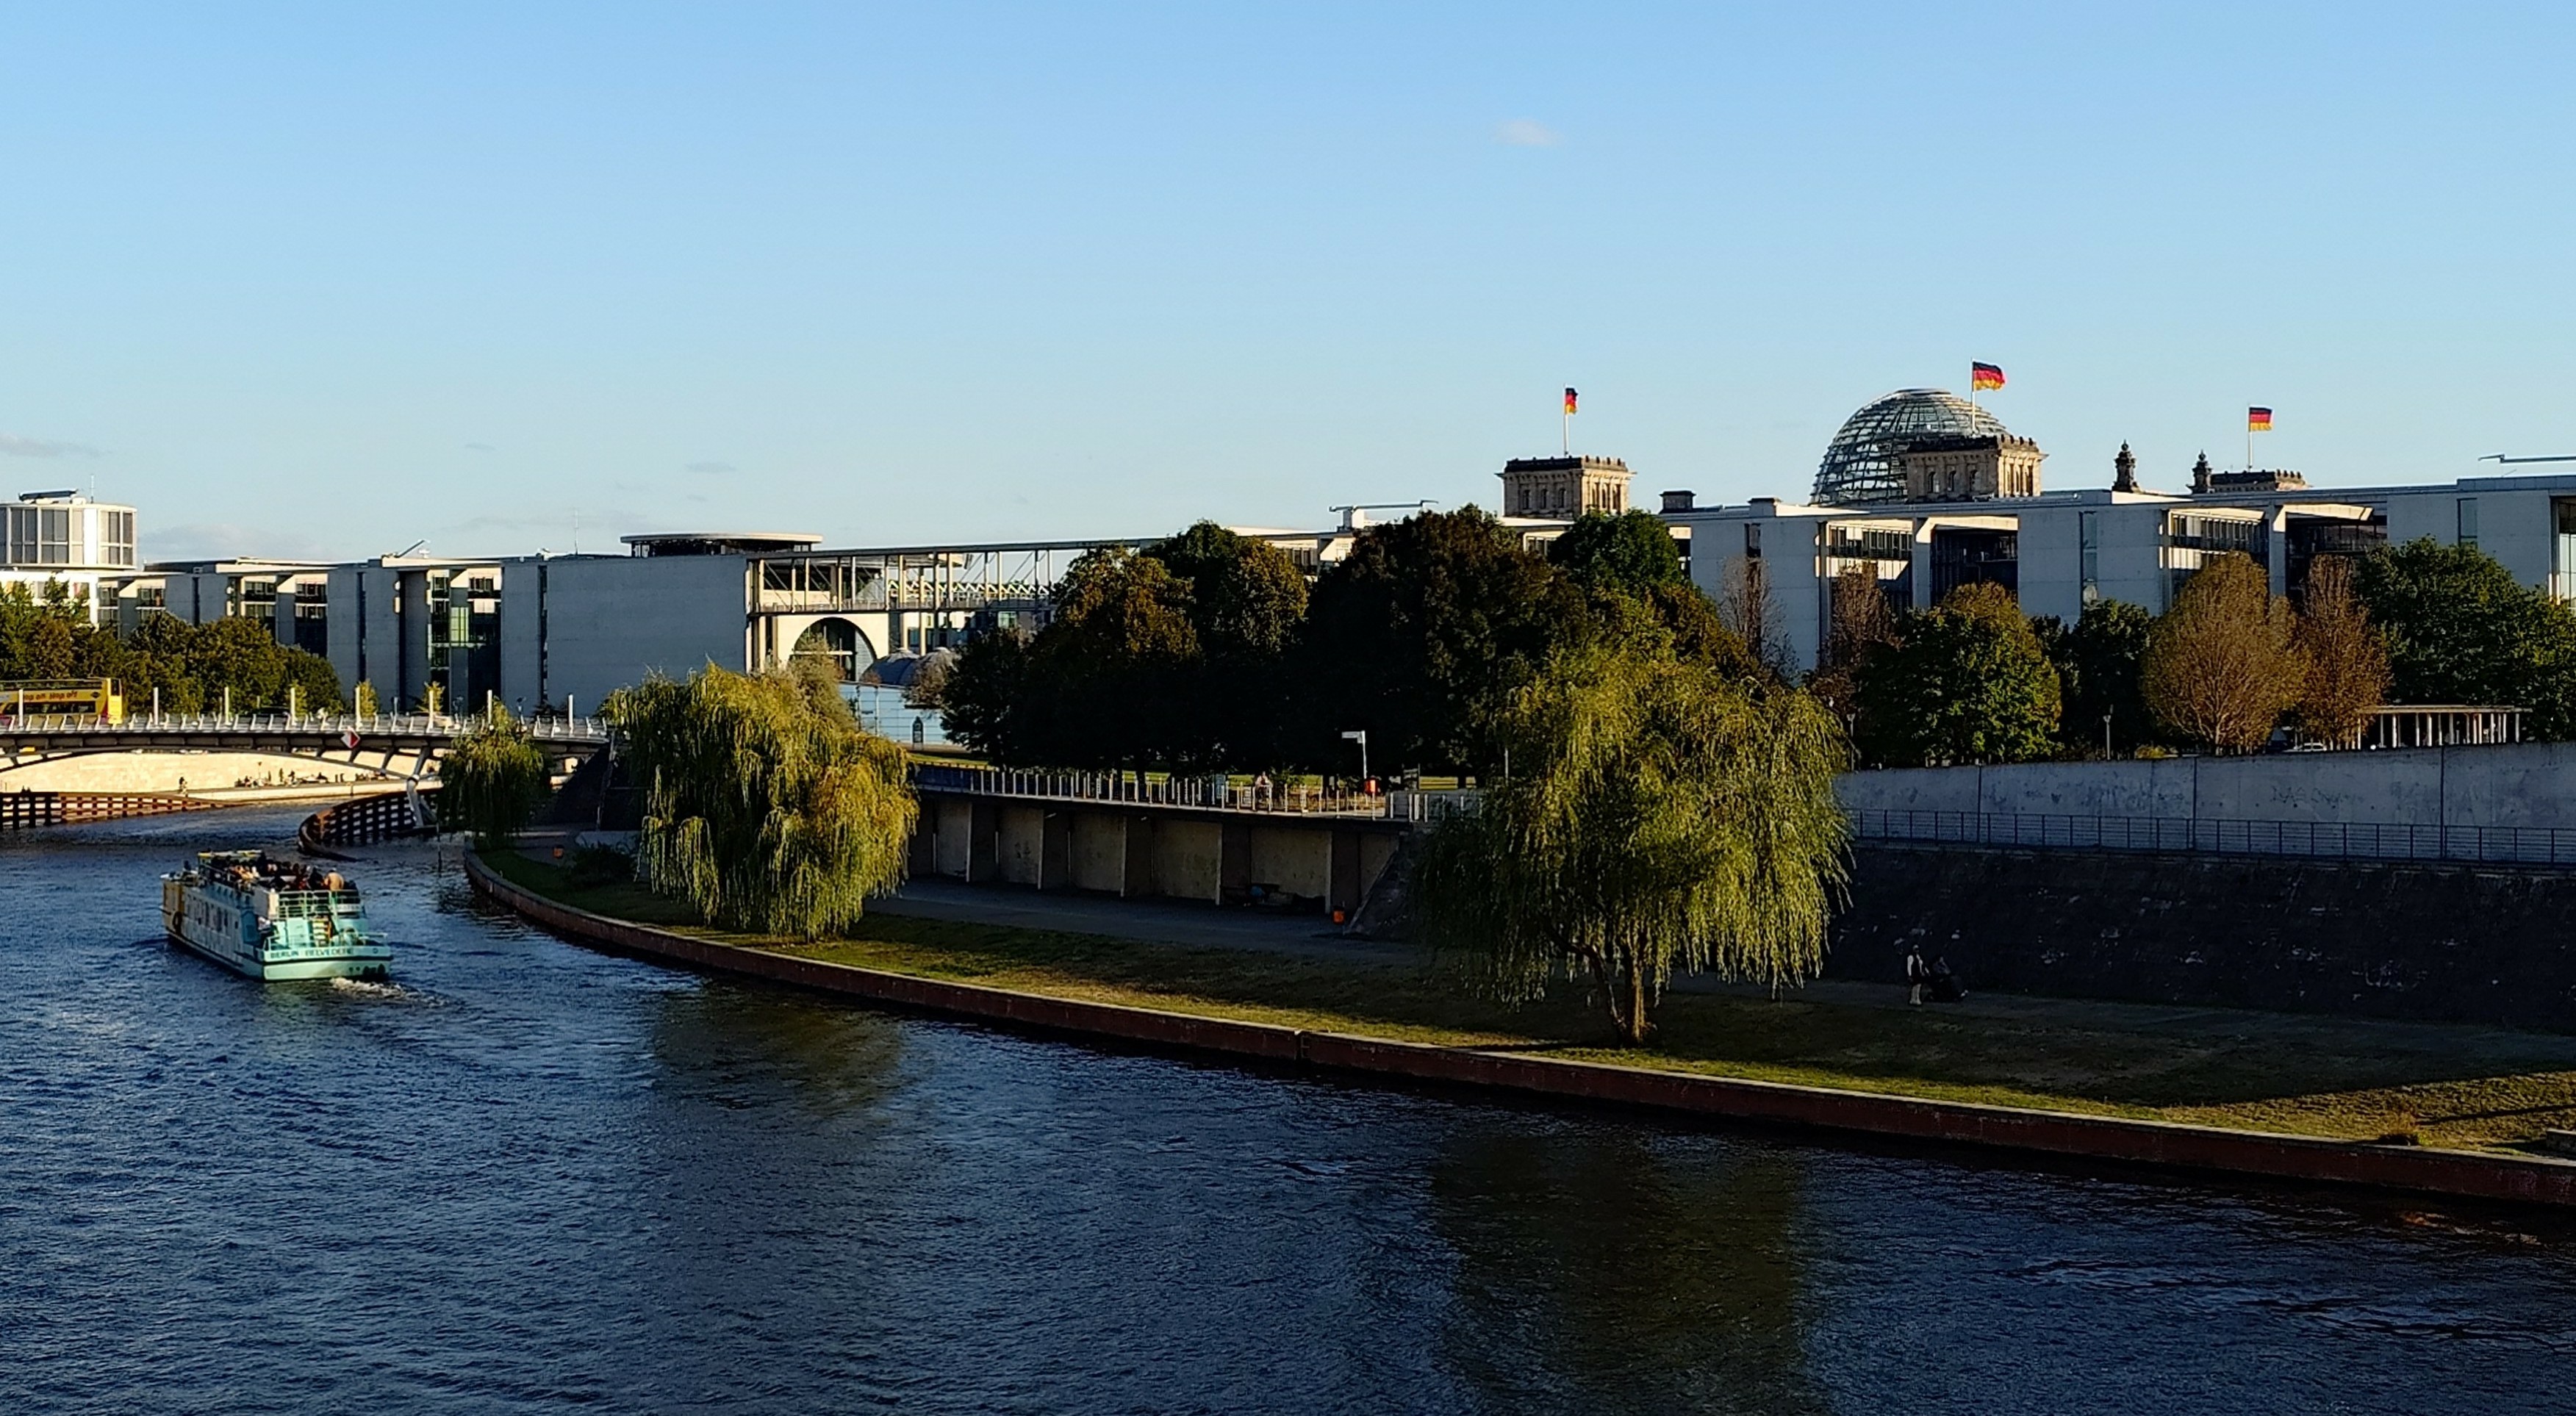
(329, 280)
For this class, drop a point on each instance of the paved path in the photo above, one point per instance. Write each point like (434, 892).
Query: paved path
(1161, 921)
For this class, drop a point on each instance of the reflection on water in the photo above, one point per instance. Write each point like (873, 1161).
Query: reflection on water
(524, 1176)
(1623, 1272)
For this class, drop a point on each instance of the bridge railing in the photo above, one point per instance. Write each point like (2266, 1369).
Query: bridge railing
(2323, 840)
(1212, 792)
(547, 729)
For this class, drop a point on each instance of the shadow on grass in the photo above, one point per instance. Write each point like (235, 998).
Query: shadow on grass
(2308, 1074)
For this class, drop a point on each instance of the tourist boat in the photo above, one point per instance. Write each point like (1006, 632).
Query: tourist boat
(272, 918)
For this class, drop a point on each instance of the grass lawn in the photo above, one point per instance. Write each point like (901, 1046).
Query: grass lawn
(2457, 1086)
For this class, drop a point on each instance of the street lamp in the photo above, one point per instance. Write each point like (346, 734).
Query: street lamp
(1360, 736)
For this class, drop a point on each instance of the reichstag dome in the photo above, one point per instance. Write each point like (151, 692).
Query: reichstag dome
(1860, 463)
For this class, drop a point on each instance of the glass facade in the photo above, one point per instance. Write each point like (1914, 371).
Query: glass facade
(1860, 464)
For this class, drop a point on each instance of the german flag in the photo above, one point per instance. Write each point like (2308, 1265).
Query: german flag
(1569, 400)
(1982, 376)
(2258, 420)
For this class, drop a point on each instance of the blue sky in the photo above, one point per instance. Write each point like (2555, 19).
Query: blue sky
(333, 279)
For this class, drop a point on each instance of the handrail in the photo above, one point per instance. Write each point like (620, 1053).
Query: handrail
(2319, 840)
(549, 729)
(1209, 792)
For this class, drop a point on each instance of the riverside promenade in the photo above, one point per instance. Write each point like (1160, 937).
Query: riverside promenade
(1400, 1053)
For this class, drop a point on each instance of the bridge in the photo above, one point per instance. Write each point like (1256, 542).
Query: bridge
(387, 744)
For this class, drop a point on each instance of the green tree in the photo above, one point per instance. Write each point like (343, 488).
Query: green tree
(766, 806)
(988, 704)
(1661, 818)
(1421, 635)
(1109, 677)
(1968, 681)
(1631, 552)
(2222, 666)
(2461, 629)
(2098, 663)
(1246, 602)
(492, 781)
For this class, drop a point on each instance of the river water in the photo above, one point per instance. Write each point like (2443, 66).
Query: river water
(531, 1177)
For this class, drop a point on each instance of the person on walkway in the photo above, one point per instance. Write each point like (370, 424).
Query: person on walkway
(1916, 975)
(1945, 984)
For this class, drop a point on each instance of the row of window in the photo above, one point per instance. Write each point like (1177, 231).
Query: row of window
(48, 535)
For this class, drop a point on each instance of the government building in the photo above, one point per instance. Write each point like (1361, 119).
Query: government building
(1920, 490)
(1925, 492)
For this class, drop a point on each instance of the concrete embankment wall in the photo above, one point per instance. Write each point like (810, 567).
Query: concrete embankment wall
(2430, 942)
(2457, 1173)
(2523, 785)
(170, 771)
(1324, 863)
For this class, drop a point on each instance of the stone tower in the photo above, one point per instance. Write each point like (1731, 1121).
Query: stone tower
(2124, 471)
(1563, 488)
(2200, 474)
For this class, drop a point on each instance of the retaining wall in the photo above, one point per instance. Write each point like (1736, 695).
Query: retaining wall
(2520, 784)
(2430, 942)
(2459, 1173)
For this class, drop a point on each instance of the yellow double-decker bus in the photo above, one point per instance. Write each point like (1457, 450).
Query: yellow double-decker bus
(94, 699)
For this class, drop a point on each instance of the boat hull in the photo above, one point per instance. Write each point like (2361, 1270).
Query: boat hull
(288, 970)
(220, 924)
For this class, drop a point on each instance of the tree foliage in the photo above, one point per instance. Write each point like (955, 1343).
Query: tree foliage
(492, 781)
(2098, 662)
(1668, 819)
(1631, 552)
(1207, 650)
(1748, 604)
(1170, 656)
(766, 806)
(1967, 681)
(2460, 629)
(49, 636)
(2222, 666)
(1420, 637)
(2347, 664)
(1246, 603)
(1860, 624)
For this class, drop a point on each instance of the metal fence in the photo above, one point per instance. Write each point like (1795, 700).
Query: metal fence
(1214, 792)
(545, 729)
(2330, 840)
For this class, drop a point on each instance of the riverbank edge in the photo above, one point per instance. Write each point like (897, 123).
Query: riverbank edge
(2161, 1144)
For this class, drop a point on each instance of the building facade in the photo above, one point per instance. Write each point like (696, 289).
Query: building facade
(63, 543)
(2058, 551)
(1562, 488)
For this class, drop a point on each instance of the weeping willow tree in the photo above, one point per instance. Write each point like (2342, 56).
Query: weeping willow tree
(492, 781)
(1663, 819)
(766, 806)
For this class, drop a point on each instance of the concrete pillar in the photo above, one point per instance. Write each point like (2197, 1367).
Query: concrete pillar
(1055, 851)
(1345, 890)
(1136, 868)
(1922, 565)
(1234, 860)
(984, 841)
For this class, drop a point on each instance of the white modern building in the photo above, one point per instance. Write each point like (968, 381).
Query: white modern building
(2058, 551)
(64, 543)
